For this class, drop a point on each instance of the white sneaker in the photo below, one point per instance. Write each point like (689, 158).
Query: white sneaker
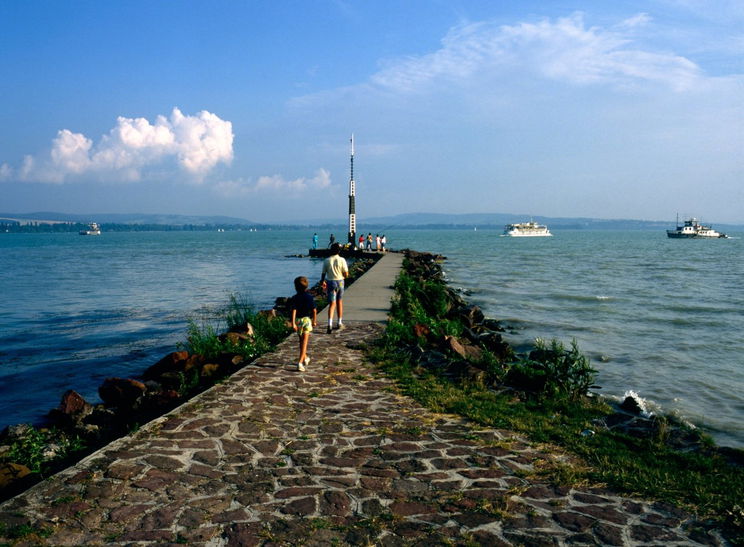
(301, 367)
(341, 326)
(307, 360)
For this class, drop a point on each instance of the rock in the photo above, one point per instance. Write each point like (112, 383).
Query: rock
(421, 331)
(472, 316)
(195, 360)
(495, 343)
(73, 404)
(632, 405)
(467, 372)
(234, 338)
(18, 431)
(121, 392)
(171, 362)
(246, 329)
(171, 380)
(210, 369)
(453, 344)
(493, 325)
(466, 351)
(434, 359)
(12, 472)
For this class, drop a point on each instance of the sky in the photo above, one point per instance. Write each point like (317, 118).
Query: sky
(593, 108)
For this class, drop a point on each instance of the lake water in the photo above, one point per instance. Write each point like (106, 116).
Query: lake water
(658, 316)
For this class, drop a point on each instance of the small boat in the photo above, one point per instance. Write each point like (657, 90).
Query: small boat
(526, 229)
(93, 230)
(692, 229)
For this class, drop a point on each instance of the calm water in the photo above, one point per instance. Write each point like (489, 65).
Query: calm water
(661, 317)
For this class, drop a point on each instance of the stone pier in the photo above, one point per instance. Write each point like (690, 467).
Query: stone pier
(331, 456)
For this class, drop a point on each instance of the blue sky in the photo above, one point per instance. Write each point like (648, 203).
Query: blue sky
(584, 108)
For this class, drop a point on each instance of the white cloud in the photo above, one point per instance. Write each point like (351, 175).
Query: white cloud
(6, 172)
(197, 143)
(563, 50)
(638, 20)
(276, 184)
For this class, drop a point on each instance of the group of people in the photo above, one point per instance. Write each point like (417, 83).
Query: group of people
(302, 304)
(379, 242)
(368, 243)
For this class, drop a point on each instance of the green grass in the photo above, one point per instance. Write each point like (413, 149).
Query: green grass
(556, 410)
(31, 447)
(203, 337)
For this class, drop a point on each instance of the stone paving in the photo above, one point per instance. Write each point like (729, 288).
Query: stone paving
(331, 456)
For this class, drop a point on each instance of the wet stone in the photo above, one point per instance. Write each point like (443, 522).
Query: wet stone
(303, 506)
(335, 503)
(406, 508)
(608, 534)
(589, 498)
(603, 513)
(128, 513)
(574, 521)
(244, 535)
(473, 520)
(164, 462)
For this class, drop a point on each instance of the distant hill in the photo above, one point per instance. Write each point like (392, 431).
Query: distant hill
(410, 220)
(498, 220)
(131, 218)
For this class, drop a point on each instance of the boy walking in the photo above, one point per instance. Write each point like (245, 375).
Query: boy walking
(304, 318)
(335, 270)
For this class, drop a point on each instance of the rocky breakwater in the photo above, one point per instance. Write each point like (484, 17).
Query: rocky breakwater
(76, 427)
(481, 355)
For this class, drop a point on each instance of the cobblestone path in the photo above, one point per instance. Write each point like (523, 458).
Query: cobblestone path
(331, 456)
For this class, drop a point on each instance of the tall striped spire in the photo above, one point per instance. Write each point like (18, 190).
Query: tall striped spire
(352, 197)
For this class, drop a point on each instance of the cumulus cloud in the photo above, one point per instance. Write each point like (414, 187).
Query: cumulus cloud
(276, 184)
(196, 143)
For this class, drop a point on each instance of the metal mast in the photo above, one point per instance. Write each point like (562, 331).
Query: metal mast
(352, 197)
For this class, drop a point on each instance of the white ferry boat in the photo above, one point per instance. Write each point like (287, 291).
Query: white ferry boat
(526, 229)
(692, 229)
(93, 230)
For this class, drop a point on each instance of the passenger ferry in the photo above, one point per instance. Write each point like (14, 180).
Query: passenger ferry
(692, 229)
(93, 230)
(526, 229)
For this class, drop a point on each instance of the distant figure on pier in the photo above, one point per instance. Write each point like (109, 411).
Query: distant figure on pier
(335, 270)
(331, 241)
(304, 318)
(377, 242)
(361, 242)
(383, 242)
(315, 241)
(369, 241)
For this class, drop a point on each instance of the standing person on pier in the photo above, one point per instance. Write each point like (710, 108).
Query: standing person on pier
(315, 240)
(361, 242)
(335, 270)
